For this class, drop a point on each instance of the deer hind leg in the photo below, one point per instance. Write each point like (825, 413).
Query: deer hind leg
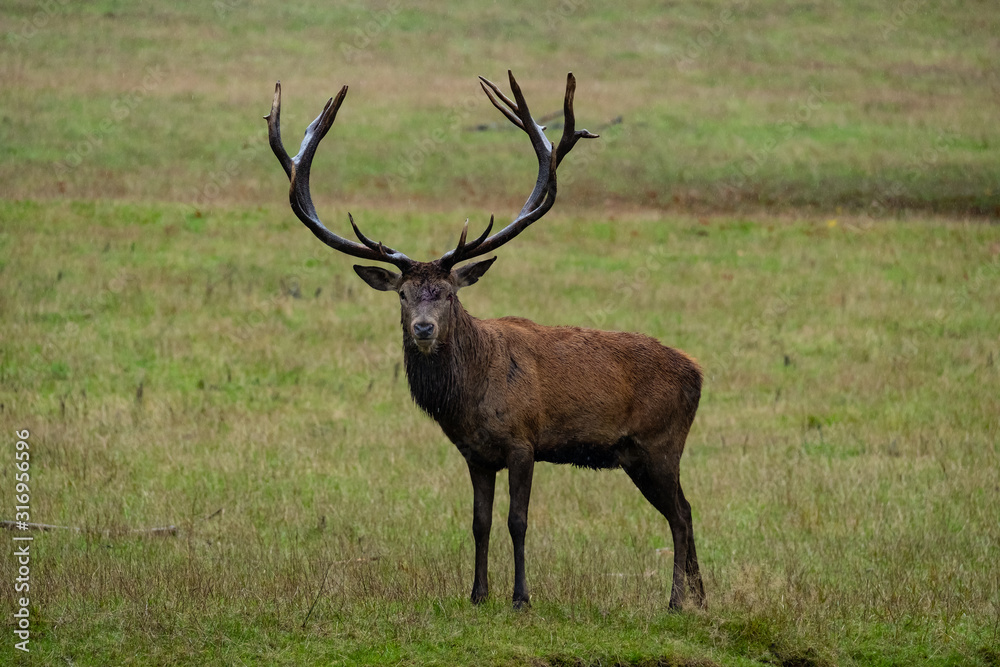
(521, 467)
(691, 566)
(657, 477)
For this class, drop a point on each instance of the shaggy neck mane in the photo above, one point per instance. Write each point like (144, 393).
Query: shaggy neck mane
(445, 382)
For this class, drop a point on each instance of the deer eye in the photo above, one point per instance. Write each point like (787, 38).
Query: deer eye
(402, 297)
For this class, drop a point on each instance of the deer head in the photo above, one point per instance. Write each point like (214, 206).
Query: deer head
(428, 290)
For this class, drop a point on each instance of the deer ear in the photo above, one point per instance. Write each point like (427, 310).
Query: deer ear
(378, 278)
(470, 273)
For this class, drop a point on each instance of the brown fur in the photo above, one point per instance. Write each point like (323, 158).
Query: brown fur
(509, 392)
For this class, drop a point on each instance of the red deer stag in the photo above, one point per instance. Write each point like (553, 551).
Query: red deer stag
(509, 392)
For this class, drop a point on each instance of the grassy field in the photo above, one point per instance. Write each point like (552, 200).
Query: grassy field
(869, 106)
(802, 197)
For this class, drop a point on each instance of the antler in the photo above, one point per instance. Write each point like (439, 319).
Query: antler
(297, 169)
(543, 196)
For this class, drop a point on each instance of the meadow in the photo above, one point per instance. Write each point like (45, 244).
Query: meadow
(803, 197)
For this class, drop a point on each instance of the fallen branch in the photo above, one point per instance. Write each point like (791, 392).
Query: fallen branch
(46, 527)
(488, 127)
(370, 559)
(21, 525)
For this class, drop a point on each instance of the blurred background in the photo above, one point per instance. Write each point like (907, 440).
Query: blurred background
(802, 195)
(866, 106)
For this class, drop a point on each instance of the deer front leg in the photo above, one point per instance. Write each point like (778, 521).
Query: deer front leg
(483, 485)
(521, 465)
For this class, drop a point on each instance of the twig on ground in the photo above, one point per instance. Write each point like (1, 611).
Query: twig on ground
(46, 527)
(318, 594)
(487, 127)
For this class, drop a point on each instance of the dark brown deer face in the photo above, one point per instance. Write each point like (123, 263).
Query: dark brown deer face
(428, 297)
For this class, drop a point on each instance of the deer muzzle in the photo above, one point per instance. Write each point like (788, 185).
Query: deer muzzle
(424, 335)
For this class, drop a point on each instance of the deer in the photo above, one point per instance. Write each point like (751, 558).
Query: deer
(508, 392)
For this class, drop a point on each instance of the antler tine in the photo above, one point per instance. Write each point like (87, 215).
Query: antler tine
(482, 237)
(493, 92)
(464, 250)
(274, 131)
(570, 134)
(543, 196)
(374, 245)
(297, 169)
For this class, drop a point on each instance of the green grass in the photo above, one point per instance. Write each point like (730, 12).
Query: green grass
(802, 196)
(725, 106)
(843, 468)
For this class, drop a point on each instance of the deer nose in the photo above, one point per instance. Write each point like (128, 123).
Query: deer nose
(423, 330)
